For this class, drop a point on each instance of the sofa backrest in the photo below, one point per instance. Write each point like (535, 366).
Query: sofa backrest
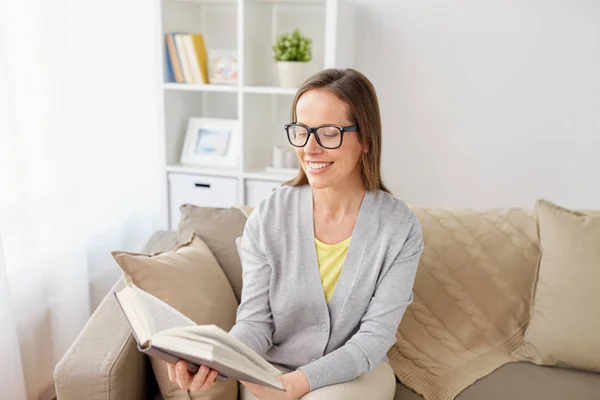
(470, 249)
(478, 258)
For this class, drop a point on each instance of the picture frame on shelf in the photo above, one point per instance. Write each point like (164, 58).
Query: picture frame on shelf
(223, 66)
(211, 142)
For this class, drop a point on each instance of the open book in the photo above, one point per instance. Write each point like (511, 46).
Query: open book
(163, 332)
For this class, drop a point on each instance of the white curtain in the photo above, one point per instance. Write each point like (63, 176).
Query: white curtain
(79, 162)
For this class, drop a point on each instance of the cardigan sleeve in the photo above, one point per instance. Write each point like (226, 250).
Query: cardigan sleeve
(377, 331)
(254, 321)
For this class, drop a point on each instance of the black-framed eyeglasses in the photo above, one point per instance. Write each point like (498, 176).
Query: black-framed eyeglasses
(328, 136)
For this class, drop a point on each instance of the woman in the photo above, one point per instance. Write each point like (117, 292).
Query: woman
(329, 259)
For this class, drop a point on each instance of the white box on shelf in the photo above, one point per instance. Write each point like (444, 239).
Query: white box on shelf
(200, 190)
(257, 191)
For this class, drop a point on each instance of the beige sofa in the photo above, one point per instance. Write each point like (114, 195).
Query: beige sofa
(104, 363)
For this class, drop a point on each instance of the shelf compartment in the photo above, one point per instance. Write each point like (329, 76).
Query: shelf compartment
(264, 21)
(215, 20)
(264, 117)
(180, 106)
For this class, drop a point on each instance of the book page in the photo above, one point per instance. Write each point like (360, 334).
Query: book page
(158, 315)
(203, 332)
(225, 361)
(127, 301)
(205, 343)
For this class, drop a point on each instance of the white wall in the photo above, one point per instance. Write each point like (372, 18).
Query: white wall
(486, 104)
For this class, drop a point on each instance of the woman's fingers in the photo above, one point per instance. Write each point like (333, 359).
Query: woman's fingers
(203, 380)
(211, 379)
(199, 380)
(172, 373)
(183, 375)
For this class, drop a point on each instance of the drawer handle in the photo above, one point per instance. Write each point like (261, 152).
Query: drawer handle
(203, 185)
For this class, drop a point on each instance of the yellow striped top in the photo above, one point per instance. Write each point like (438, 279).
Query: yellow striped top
(330, 258)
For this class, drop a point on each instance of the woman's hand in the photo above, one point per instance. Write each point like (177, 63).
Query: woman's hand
(295, 384)
(203, 380)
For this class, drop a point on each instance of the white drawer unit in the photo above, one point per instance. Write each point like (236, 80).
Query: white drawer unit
(199, 190)
(257, 190)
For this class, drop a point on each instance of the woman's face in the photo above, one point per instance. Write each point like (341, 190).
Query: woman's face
(327, 167)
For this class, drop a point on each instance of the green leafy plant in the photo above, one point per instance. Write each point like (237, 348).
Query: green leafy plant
(292, 47)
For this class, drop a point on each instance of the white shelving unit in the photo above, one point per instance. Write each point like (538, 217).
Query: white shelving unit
(250, 27)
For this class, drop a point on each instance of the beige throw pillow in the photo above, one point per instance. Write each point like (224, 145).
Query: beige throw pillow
(190, 280)
(564, 327)
(218, 228)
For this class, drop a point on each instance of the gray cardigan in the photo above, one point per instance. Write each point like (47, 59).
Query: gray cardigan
(283, 314)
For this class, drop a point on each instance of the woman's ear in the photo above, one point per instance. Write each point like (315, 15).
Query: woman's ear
(365, 147)
(364, 144)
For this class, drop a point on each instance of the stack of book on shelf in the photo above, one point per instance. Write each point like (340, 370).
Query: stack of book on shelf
(187, 58)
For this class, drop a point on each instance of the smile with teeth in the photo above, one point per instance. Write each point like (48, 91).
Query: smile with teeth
(313, 165)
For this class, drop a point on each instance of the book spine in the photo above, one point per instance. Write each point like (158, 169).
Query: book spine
(191, 55)
(185, 64)
(201, 55)
(174, 59)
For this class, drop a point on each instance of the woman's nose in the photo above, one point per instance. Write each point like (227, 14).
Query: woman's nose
(312, 146)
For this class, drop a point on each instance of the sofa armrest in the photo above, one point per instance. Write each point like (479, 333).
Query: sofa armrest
(103, 362)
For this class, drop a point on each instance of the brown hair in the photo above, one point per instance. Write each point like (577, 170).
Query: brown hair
(353, 88)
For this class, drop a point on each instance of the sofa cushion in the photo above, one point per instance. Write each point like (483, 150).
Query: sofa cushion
(218, 228)
(564, 328)
(189, 279)
(526, 381)
(471, 298)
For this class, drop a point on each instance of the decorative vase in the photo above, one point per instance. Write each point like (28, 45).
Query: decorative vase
(290, 73)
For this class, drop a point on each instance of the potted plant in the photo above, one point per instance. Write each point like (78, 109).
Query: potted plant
(291, 52)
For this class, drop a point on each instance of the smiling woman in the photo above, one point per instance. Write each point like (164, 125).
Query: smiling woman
(330, 258)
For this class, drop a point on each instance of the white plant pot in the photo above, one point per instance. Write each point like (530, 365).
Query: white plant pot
(290, 73)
